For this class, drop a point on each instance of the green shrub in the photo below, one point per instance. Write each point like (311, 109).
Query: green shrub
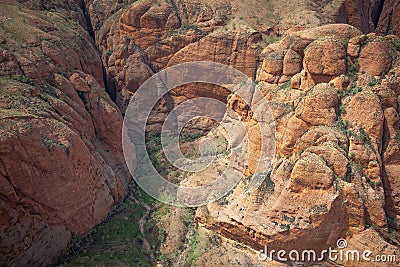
(352, 67)
(23, 79)
(318, 209)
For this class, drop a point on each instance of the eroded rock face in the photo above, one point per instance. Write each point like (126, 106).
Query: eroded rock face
(320, 50)
(375, 58)
(335, 173)
(319, 105)
(381, 16)
(138, 39)
(160, 34)
(363, 15)
(389, 18)
(61, 167)
(62, 131)
(146, 36)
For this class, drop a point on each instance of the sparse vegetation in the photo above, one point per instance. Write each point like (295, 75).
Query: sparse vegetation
(356, 168)
(352, 90)
(107, 52)
(374, 81)
(185, 27)
(338, 177)
(223, 201)
(318, 209)
(44, 97)
(342, 125)
(23, 79)
(267, 185)
(286, 85)
(374, 183)
(289, 219)
(118, 240)
(284, 226)
(352, 67)
(363, 136)
(342, 109)
(51, 143)
(398, 135)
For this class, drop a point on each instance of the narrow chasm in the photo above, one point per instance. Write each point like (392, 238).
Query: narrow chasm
(296, 150)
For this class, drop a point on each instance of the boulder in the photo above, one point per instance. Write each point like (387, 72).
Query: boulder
(318, 107)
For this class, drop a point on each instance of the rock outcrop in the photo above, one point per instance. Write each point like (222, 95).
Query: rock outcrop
(143, 37)
(317, 59)
(363, 14)
(61, 162)
(389, 22)
(335, 172)
(334, 94)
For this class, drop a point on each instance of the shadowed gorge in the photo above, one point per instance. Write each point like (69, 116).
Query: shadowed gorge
(329, 71)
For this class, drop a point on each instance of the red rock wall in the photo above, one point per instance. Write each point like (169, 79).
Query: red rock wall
(61, 163)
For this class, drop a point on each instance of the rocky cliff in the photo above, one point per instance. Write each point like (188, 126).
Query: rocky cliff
(69, 68)
(61, 165)
(140, 38)
(334, 95)
(143, 37)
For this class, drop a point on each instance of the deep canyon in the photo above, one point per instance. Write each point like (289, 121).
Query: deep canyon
(329, 70)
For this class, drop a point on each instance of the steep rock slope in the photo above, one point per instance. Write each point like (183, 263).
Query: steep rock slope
(141, 37)
(63, 131)
(389, 18)
(61, 165)
(327, 150)
(335, 174)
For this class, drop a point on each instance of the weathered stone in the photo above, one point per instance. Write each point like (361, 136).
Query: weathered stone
(374, 57)
(318, 106)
